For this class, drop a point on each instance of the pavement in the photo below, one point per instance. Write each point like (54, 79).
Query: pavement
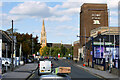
(103, 74)
(21, 73)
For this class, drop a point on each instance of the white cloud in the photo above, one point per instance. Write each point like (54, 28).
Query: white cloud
(71, 4)
(69, 11)
(113, 21)
(61, 18)
(63, 12)
(113, 4)
(1, 4)
(32, 9)
(65, 27)
(113, 13)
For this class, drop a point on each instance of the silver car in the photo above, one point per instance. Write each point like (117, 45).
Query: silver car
(54, 77)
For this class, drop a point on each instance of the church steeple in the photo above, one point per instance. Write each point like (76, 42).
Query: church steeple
(43, 40)
(43, 26)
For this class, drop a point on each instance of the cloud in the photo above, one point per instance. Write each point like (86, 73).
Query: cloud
(113, 13)
(113, 21)
(69, 11)
(65, 27)
(32, 9)
(37, 31)
(61, 18)
(113, 4)
(1, 4)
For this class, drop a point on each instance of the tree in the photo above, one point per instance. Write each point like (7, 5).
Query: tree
(26, 41)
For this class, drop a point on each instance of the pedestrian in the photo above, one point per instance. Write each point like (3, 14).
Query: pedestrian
(110, 67)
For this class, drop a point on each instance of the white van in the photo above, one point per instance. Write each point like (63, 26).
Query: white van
(44, 67)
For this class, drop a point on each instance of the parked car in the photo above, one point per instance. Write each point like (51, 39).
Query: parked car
(6, 61)
(46, 57)
(29, 60)
(64, 57)
(56, 58)
(9, 60)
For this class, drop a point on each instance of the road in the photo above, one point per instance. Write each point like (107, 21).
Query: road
(76, 72)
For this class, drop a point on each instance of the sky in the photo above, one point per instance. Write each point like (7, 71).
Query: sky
(61, 17)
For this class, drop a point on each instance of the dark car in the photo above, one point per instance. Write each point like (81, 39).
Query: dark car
(46, 57)
(56, 58)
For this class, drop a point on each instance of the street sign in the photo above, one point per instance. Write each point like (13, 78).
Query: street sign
(102, 43)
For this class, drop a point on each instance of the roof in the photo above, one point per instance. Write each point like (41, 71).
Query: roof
(104, 31)
(4, 35)
(77, 42)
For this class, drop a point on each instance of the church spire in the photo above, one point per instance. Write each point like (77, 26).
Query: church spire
(43, 26)
(43, 36)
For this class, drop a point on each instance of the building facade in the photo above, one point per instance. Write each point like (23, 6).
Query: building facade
(104, 48)
(92, 16)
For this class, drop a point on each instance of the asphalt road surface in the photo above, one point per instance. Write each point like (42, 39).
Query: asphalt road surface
(76, 72)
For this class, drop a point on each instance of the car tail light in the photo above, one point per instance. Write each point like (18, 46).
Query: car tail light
(39, 65)
(51, 65)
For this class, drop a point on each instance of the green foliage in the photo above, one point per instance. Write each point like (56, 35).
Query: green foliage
(53, 51)
(26, 41)
(45, 51)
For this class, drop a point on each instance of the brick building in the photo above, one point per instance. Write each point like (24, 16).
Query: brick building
(92, 16)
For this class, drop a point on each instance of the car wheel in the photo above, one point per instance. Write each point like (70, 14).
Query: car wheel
(39, 73)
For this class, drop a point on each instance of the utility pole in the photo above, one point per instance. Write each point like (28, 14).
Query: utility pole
(100, 47)
(32, 43)
(6, 54)
(114, 47)
(12, 45)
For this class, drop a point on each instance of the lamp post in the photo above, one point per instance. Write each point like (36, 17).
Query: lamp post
(6, 54)
(32, 43)
(12, 45)
(100, 47)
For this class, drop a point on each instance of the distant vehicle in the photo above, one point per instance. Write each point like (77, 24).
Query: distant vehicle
(9, 60)
(31, 58)
(44, 67)
(64, 57)
(6, 61)
(50, 57)
(56, 58)
(46, 57)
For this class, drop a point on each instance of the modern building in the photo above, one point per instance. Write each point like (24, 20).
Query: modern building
(92, 16)
(103, 49)
(43, 40)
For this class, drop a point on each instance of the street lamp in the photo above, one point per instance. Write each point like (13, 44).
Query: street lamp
(32, 42)
(12, 45)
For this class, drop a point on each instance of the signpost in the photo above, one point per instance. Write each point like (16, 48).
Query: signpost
(0, 58)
